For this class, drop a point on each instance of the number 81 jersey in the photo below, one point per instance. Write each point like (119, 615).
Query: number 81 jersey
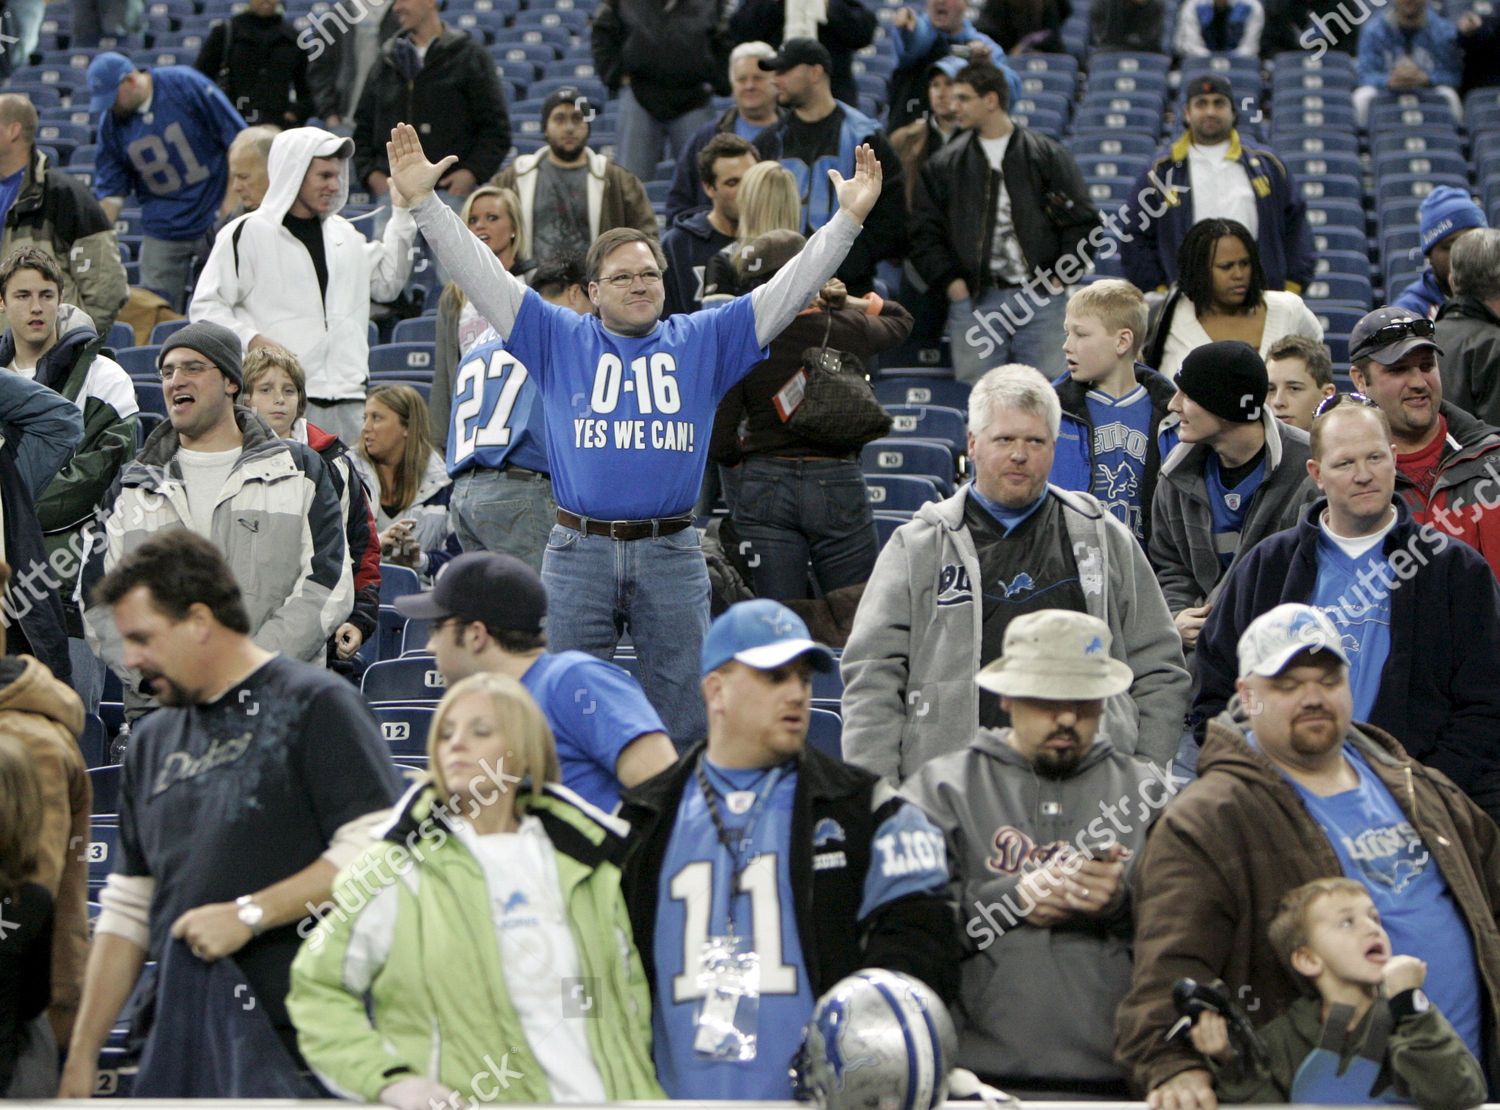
(497, 418)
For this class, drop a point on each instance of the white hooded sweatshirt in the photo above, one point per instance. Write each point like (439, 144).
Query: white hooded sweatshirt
(260, 278)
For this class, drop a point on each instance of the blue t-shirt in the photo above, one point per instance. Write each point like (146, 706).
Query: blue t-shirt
(1228, 506)
(595, 709)
(10, 188)
(747, 130)
(1378, 846)
(174, 158)
(1122, 433)
(628, 418)
(497, 418)
(1011, 518)
(908, 857)
(1362, 614)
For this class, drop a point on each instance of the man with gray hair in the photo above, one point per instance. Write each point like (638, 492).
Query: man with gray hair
(754, 110)
(249, 179)
(1468, 326)
(949, 583)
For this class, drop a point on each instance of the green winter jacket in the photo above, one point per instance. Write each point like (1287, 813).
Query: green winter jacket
(411, 925)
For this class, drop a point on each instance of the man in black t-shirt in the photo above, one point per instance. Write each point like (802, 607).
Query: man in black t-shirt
(821, 133)
(240, 799)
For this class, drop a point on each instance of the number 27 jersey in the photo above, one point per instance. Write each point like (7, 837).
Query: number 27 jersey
(497, 419)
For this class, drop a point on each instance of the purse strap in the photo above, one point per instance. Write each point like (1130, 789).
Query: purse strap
(828, 331)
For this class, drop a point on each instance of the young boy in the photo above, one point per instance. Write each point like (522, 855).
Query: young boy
(1112, 408)
(1301, 374)
(1368, 1035)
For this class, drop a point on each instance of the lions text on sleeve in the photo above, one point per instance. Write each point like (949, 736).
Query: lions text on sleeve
(628, 417)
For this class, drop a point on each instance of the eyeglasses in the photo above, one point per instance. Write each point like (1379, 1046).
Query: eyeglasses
(1328, 404)
(1418, 328)
(190, 369)
(625, 281)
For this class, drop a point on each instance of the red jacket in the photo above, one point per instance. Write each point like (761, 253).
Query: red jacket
(359, 529)
(1465, 498)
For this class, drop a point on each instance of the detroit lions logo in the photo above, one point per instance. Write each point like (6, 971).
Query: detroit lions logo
(1120, 481)
(516, 901)
(828, 831)
(1018, 585)
(1094, 646)
(781, 623)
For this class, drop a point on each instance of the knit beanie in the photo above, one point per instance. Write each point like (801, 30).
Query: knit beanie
(217, 344)
(1445, 210)
(1227, 378)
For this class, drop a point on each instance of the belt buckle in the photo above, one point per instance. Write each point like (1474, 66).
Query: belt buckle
(612, 526)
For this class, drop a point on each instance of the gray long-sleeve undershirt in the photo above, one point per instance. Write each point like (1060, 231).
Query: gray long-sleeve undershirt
(497, 293)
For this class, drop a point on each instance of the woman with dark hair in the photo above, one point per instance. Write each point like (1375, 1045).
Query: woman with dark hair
(401, 468)
(1221, 294)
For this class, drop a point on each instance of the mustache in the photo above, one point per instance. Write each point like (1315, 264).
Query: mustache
(1063, 734)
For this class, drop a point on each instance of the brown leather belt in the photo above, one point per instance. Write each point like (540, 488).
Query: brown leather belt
(624, 529)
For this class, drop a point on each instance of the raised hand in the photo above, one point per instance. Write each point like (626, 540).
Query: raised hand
(858, 194)
(411, 173)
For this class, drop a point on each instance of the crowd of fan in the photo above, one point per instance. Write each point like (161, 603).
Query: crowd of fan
(1179, 554)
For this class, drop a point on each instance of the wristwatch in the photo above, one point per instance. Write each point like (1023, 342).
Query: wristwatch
(250, 913)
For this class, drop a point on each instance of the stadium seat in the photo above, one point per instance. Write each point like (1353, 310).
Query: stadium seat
(1342, 262)
(106, 784)
(1350, 289)
(826, 685)
(1399, 186)
(1112, 165)
(886, 525)
(931, 422)
(1114, 144)
(412, 679)
(397, 581)
(404, 727)
(1124, 61)
(1331, 186)
(418, 329)
(1421, 162)
(1340, 238)
(1336, 213)
(900, 492)
(1050, 81)
(145, 424)
(386, 643)
(414, 636)
(1305, 164)
(93, 743)
(910, 456)
(1139, 120)
(1337, 319)
(120, 336)
(408, 359)
(825, 732)
(898, 387)
(139, 362)
(1288, 140)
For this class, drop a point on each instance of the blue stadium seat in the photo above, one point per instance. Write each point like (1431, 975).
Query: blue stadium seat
(1397, 186)
(1125, 61)
(1421, 162)
(1288, 140)
(1311, 80)
(104, 838)
(1112, 82)
(826, 685)
(411, 679)
(1329, 118)
(404, 727)
(1109, 193)
(1304, 164)
(886, 525)
(1335, 213)
(418, 329)
(93, 743)
(1415, 142)
(42, 96)
(1302, 61)
(1313, 100)
(1038, 63)
(1395, 117)
(1046, 80)
(408, 359)
(162, 331)
(106, 784)
(145, 424)
(910, 456)
(895, 388)
(1342, 262)
(557, 37)
(397, 581)
(414, 636)
(1331, 186)
(149, 397)
(538, 53)
(1352, 289)
(139, 362)
(1043, 102)
(1103, 100)
(1140, 120)
(900, 492)
(1108, 143)
(931, 422)
(824, 733)
(1112, 165)
(519, 71)
(120, 336)
(1042, 121)
(1336, 319)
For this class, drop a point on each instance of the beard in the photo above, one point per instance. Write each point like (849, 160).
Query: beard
(1059, 763)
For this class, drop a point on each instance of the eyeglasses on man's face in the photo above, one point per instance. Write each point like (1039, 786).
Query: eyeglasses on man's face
(625, 281)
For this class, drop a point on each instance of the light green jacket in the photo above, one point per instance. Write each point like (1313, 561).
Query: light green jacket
(411, 925)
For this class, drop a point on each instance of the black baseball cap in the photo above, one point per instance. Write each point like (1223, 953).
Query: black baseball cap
(798, 52)
(1389, 334)
(1209, 84)
(498, 590)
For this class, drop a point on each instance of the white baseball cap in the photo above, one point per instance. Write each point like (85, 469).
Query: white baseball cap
(1277, 637)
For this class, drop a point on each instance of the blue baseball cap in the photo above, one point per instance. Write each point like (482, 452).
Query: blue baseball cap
(763, 634)
(105, 74)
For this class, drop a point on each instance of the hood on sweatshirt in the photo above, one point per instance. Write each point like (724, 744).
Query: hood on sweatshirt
(74, 330)
(292, 153)
(28, 686)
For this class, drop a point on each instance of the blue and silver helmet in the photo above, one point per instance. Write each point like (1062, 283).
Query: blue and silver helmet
(878, 1040)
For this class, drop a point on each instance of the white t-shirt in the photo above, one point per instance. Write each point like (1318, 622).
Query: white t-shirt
(204, 474)
(1007, 261)
(1355, 546)
(1220, 187)
(537, 954)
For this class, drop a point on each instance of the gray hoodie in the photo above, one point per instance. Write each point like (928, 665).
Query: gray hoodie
(909, 666)
(1035, 1002)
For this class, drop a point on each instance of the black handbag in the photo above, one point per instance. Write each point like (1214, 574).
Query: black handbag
(838, 409)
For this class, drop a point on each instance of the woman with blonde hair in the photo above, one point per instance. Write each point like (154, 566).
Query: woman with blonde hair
(493, 216)
(28, 1053)
(769, 201)
(408, 479)
(492, 889)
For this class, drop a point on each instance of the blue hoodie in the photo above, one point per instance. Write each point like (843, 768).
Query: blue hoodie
(914, 45)
(1433, 46)
(1423, 296)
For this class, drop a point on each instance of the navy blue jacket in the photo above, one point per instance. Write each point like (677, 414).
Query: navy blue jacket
(686, 194)
(1440, 690)
(1158, 217)
(688, 245)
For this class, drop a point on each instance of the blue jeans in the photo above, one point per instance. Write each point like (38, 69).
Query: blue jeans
(88, 674)
(93, 18)
(510, 511)
(658, 589)
(643, 138)
(166, 265)
(788, 511)
(1007, 325)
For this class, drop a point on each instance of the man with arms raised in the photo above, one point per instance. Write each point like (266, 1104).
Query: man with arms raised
(630, 402)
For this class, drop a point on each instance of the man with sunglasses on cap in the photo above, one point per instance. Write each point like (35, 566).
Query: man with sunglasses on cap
(1419, 615)
(1042, 819)
(1212, 171)
(762, 871)
(1290, 790)
(1447, 462)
